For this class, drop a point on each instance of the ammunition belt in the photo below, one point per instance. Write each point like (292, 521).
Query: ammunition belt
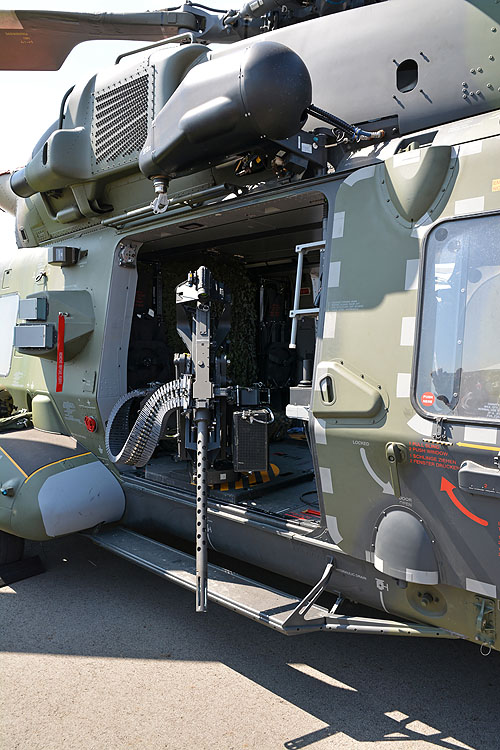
(136, 446)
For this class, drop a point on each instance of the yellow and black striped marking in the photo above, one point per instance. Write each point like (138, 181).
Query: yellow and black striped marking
(248, 480)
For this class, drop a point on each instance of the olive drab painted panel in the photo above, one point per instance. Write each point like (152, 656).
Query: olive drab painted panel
(392, 489)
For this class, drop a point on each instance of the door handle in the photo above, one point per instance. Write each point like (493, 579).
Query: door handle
(395, 454)
(479, 480)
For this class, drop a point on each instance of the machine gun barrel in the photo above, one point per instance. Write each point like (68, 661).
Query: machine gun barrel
(202, 417)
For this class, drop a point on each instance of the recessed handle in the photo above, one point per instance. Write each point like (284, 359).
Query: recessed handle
(327, 389)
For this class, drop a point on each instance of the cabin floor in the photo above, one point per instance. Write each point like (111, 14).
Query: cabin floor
(287, 490)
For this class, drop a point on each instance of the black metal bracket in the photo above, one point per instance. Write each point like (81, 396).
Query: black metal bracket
(297, 619)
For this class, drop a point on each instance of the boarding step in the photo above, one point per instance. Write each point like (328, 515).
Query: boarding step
(276, 609)
(231, 590)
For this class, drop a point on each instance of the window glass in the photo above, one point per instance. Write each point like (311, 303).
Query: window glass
(458, 368)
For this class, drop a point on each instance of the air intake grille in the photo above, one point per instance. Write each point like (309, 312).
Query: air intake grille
(120, 124)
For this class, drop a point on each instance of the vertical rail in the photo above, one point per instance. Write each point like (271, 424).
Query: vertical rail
(201, 419)
(296, 300)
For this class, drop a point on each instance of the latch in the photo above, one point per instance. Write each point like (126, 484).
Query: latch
(439, 429)
(395, 453)
(485, 621)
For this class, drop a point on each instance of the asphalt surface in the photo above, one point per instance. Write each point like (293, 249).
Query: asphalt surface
(96, 654)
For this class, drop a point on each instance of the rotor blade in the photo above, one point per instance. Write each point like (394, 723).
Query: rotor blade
(41, 40)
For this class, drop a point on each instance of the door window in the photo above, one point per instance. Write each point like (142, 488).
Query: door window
(457, 372)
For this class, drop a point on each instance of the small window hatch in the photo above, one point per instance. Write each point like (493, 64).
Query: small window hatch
(407, 76)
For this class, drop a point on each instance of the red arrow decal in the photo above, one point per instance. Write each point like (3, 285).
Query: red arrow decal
(448, 487)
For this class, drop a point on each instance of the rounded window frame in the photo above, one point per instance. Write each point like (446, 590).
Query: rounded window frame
(417, 406)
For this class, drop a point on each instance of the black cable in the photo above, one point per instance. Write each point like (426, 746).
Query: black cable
(311, 492)
(355, 133)
(321, 114)
(206, 7)
(61, 109)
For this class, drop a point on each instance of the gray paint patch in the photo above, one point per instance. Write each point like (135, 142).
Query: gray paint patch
(325, 476)
(330, 325)
(480, 587)
(411, 277)
(333, 529)
(334, 274)
(480, 435)
(421, 425)
(320, 431)
(469, 206)
(468, 149)
(403, 385)
(361, 174)
(80, 498)
(422, 576)
(338, 225)
(407, 331)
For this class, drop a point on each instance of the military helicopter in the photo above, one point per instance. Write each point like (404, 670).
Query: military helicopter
(252, 308)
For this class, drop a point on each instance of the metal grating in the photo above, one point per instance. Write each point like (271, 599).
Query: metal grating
(120, 124)
(250, 442)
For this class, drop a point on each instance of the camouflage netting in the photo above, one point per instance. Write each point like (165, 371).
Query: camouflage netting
(12, 418)
(242, 337)
(6, 403)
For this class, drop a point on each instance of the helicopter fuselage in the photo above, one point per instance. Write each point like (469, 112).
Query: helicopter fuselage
(375, 261)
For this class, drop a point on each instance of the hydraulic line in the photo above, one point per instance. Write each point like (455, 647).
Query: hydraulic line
(356, 134)
(135, 446)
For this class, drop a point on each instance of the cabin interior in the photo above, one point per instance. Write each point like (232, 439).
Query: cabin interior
(252, 251)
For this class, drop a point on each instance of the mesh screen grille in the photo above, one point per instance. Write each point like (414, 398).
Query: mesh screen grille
(250, 442)
(121, 120)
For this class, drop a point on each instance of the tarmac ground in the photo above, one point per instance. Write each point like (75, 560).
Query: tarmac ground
(96, 654)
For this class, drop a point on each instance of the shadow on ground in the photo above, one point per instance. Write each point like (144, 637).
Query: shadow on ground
(368, 687)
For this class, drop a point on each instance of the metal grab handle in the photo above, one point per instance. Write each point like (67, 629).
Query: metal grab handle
(296, 298)
(301, 250)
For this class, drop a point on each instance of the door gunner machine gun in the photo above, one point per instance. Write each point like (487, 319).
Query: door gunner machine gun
(218, 424)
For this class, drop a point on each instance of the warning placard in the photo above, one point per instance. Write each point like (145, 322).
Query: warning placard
(427, 398)
(431, 454)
